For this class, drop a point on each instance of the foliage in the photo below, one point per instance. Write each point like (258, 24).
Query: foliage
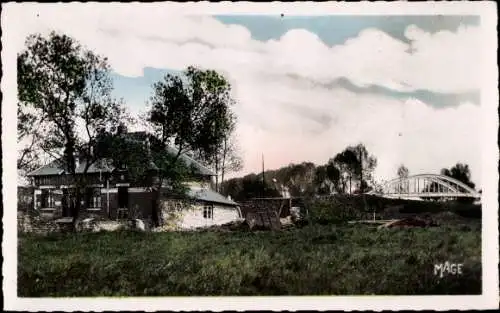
(343, 208)
(226, 158)
(327, 179)
(189, 113)
(403, 173)
(192, 111)
(29, 135)
(299, 179)
(361, 166)
(460, 172)
(313, 260)
(326, 211)
(346, 162)
(68, 89)
(306, 179)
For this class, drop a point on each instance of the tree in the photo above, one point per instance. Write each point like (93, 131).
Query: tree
(225, 159)
(192, 112)
(403, 174)
(69, 88)
(327, 179)
(299, 178)
(355, 163)
(365, 166)
(231, 161)
(346, 162)
(28, 138)
(460, 172)
(320, 180)
(333, 174)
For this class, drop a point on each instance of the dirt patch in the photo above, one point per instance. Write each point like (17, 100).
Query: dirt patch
(410, 222)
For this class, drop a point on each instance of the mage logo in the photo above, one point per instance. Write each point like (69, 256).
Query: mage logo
(447, 268)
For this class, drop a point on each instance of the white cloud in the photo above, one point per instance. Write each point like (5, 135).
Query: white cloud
(287, 119)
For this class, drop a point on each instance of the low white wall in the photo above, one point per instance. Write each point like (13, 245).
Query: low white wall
(194, 218)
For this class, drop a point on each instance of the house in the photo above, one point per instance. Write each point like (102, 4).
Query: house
(109, 192)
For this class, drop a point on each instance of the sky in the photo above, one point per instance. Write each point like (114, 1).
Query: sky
(306, 87)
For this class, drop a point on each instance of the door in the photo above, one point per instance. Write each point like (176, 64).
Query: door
(66, 203)
(122, 211)
(123, 197)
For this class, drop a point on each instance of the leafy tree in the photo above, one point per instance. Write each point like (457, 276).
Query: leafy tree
(69, 88)
(460, 172)
(355, 163)
(248, 187)
(191, 112)
(365, 166)
(333, 174)
(299, 179)
(327, 178)
(320, 180)
(403, 174)
(403, 171)
(346, 162)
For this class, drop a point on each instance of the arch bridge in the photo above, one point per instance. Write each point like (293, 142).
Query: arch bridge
(426, 186)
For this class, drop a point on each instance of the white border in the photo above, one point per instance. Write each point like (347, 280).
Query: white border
(489, 96)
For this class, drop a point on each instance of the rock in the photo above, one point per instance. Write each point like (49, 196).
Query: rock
(140, 225)
(109, 226)
(87, 224)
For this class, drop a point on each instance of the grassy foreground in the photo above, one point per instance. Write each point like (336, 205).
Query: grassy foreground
(314, 260)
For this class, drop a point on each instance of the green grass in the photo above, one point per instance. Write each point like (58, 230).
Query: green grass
(314, 260)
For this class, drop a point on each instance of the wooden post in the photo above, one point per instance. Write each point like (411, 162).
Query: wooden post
(107, 197)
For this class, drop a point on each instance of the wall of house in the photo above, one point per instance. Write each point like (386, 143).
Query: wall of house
(139, 203)
(221, 215)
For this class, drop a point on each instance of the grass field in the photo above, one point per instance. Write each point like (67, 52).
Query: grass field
(314, 260)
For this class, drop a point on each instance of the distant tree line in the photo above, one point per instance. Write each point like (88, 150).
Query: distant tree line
(348, 172)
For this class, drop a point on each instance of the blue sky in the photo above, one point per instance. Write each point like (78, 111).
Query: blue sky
(305, 86)
(332, 30)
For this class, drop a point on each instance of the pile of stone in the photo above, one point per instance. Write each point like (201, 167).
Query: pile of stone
(35, 224)
(97, 225)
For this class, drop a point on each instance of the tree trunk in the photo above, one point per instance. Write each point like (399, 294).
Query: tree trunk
(223, 165)
(216, 173)
(75, 212)
(155, 207)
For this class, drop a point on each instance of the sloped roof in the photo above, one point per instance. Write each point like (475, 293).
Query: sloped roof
(56, 167)
(209, 196)
(191, 162)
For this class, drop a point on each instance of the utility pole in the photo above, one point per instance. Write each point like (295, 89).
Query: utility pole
(263, 179)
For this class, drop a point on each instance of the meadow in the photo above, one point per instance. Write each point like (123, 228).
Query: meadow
(331, 259)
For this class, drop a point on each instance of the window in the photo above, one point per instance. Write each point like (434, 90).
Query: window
(48, 198)
(208, 211)
(93, 198)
